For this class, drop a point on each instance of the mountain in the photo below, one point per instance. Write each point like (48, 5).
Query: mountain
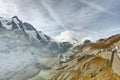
(22, 45)
(90, 61)
(29, 31)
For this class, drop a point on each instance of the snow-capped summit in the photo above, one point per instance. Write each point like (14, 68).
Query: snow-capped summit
(10, 23)
(15, 23)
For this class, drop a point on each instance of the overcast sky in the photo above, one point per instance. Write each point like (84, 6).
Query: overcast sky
(55, 16)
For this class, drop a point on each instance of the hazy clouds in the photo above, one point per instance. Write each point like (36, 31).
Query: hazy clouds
(56, 16)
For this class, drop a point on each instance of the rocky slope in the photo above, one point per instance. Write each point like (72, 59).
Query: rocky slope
(91, 61)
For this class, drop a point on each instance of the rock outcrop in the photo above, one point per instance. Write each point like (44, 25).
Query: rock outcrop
(90, 62)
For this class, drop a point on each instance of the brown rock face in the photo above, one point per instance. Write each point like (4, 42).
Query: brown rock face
(107, 42)
(91, 62)
(86, 68)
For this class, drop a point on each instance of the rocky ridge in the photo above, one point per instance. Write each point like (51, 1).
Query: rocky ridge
(91, 61)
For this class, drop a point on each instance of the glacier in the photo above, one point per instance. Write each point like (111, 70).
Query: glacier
(22, 47)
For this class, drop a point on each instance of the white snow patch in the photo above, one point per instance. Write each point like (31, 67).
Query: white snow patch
(6, 23)
(16, 22)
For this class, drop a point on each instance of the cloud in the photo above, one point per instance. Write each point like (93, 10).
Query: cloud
(52, 13)
(75, 37)
(68, 36)
(6, 9)
(97, 7)
(55, 16)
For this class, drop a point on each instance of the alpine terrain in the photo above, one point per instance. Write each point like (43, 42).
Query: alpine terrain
(90, 61)
(23, 49)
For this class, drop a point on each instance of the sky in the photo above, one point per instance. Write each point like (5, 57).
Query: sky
(55, 17)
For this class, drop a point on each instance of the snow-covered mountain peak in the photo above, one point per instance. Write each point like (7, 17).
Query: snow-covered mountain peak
(15, 24)
(17, 19)
(10, 23)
